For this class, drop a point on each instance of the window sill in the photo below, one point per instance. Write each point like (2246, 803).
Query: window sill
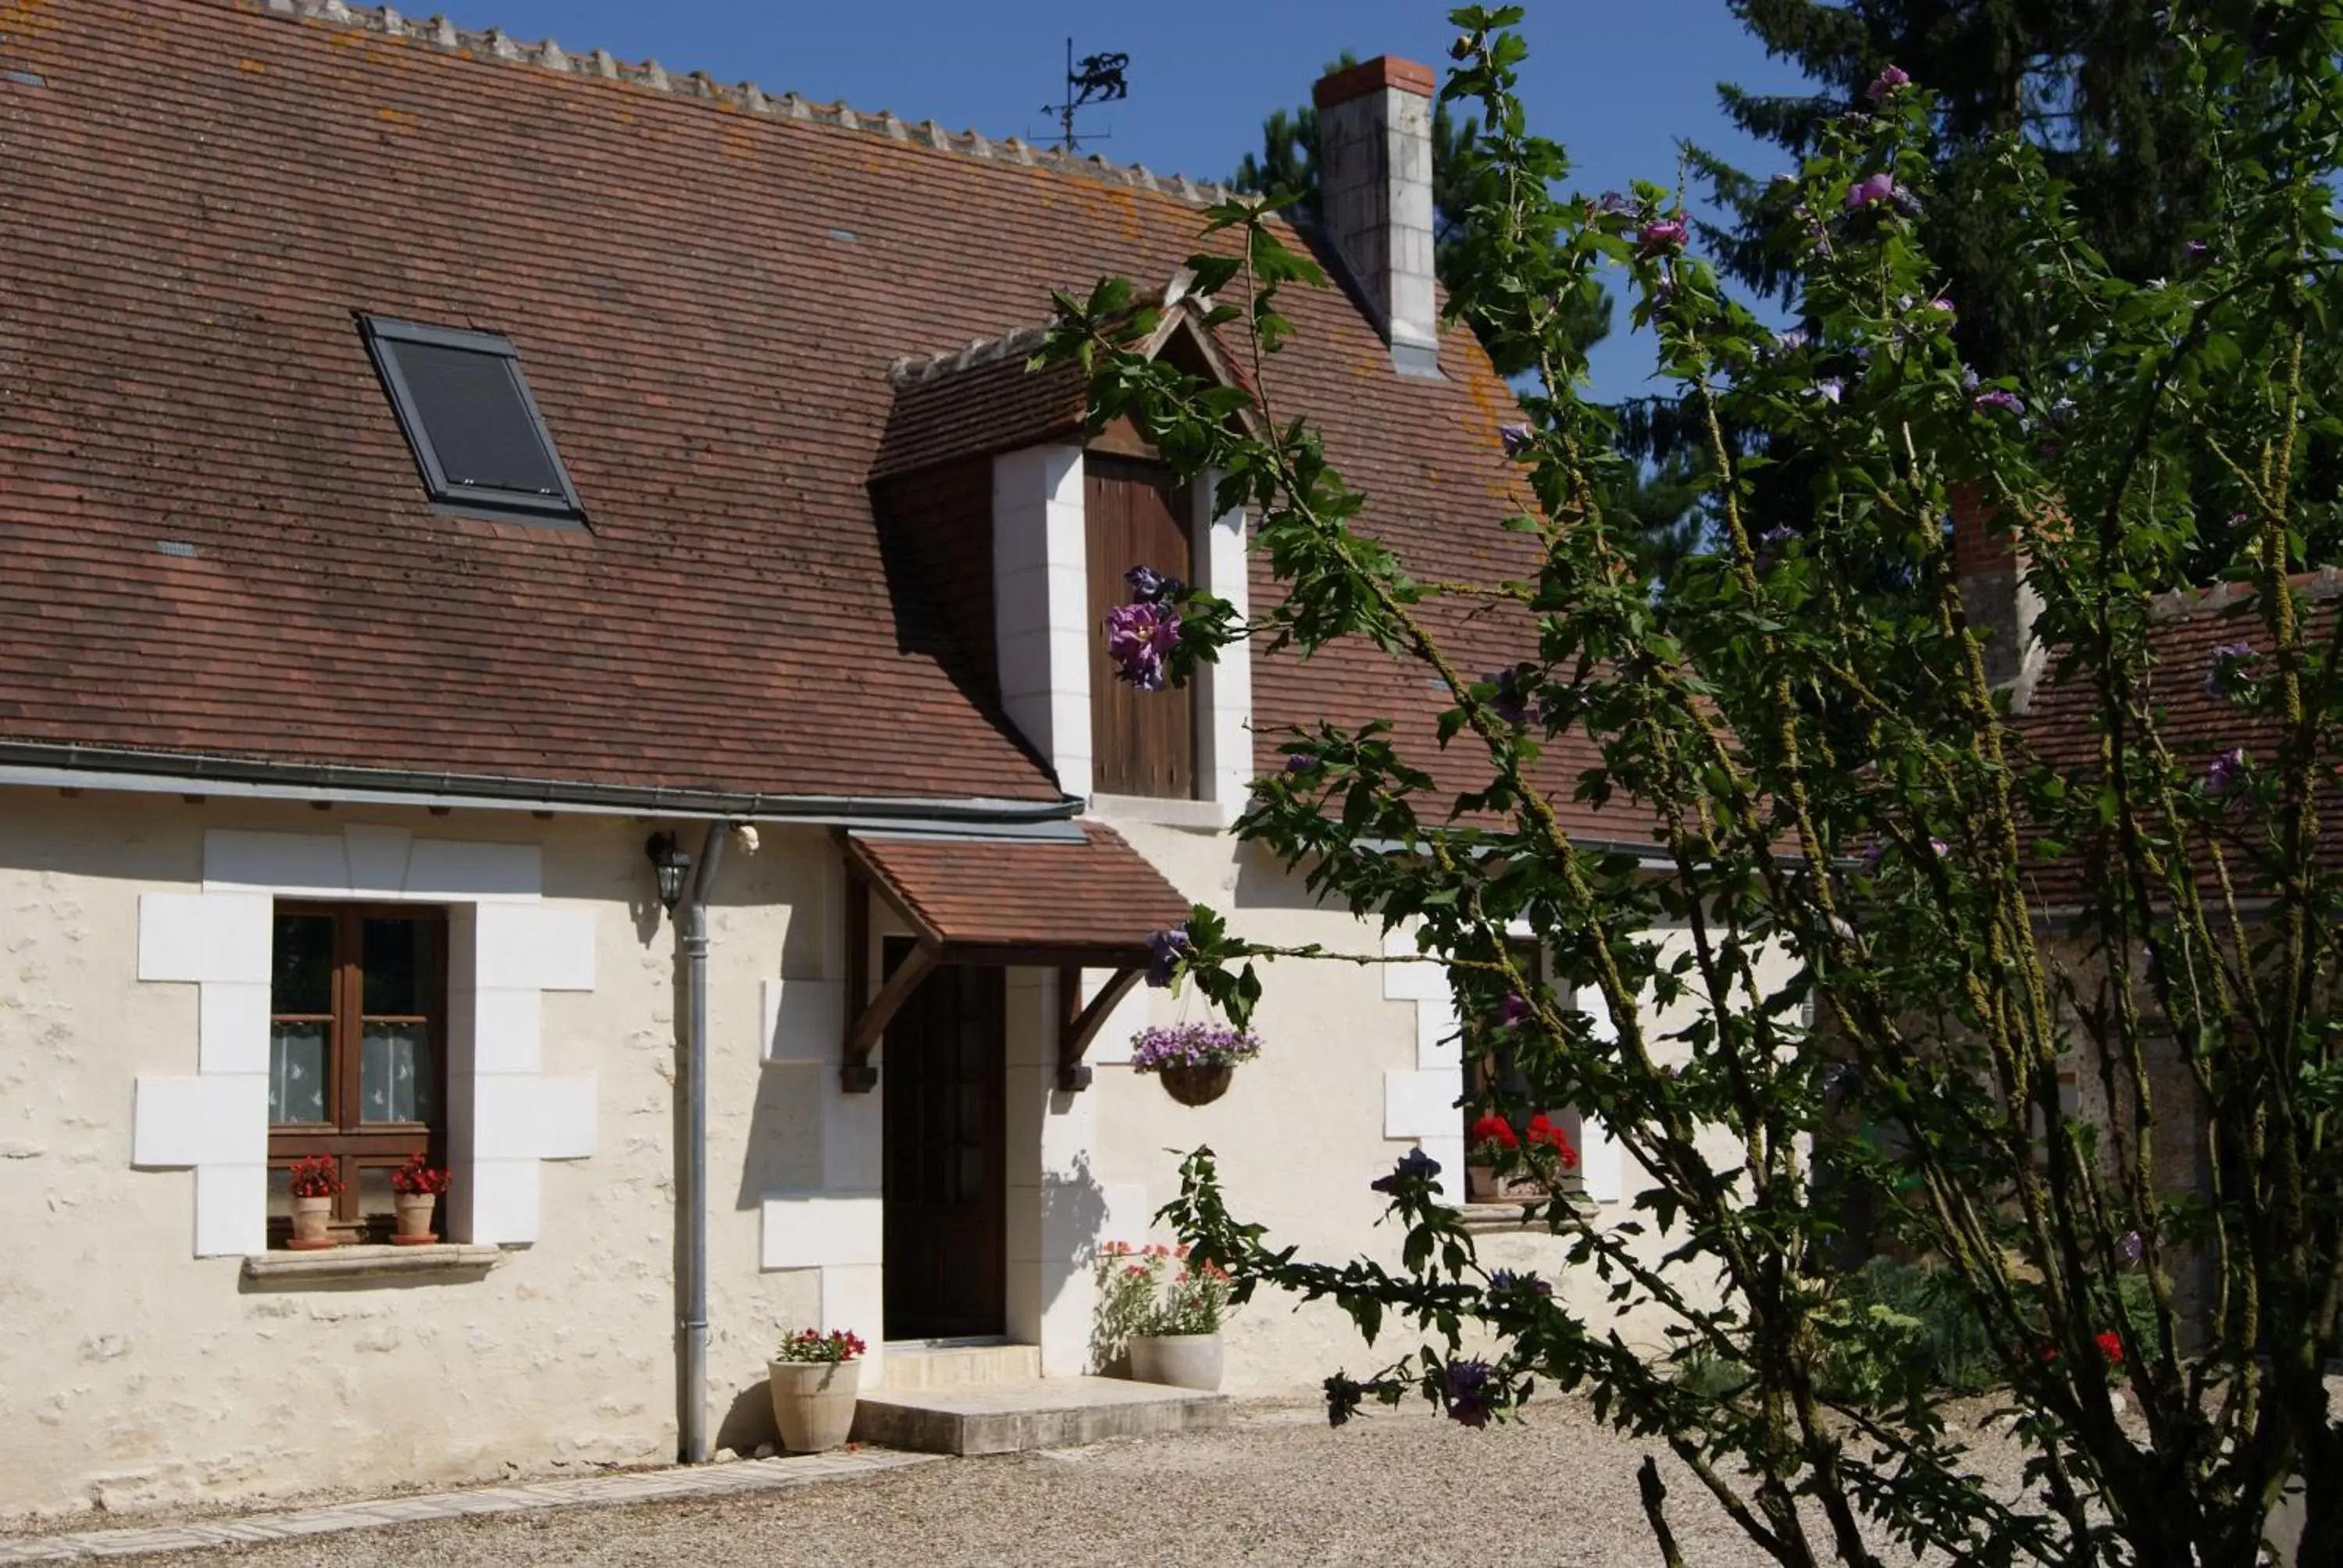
(367, 1262)
(1196, 816)
(1509, 1214)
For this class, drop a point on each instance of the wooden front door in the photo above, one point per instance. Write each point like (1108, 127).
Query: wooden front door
(942, 1079)
(1141, 743)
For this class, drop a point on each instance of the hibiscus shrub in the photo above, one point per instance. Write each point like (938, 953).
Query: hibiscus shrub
(1837, 938)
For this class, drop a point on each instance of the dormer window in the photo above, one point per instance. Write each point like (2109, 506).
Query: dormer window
(476, 431)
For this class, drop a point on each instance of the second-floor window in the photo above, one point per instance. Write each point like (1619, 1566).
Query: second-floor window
(1141, 743)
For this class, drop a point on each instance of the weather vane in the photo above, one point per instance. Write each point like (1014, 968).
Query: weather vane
(1099, 80)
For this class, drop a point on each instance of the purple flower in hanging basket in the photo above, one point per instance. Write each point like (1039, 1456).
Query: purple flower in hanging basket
(1662, 237)
(1191, 1045)
(1164, 951)
(2228, 659)
(1890, 77)
(1138, 637)
(1414, 1165)
(1468, 1389)
(1149, 585)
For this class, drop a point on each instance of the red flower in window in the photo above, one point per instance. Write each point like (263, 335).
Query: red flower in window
(1492, 1132)
(1544, 1134)
(318, 1176)
(415, 1177)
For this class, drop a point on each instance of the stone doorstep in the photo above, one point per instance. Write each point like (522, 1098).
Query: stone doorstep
(1039, 1412)
(918, 1368)
(584, 1492)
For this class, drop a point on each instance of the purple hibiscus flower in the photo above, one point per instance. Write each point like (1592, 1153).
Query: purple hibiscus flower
(1873, 190)
(1610, 202)
(1509, 703)
(1468, 1388)
(1138, 637)
(1515, 1010)
(1506, 1280)
(2195, 249)
(1663, 236)
(1790, 342)
(1516, 439)
(2221, 679)
(2130, 1247)
(2226, 771)
(1890, 77)
(1149, 585)
(1300, 762)
(1164, 951)
(1996, 398)
(1831, 389)
(1414, 1165)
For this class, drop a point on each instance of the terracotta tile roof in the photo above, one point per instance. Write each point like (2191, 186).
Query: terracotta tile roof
(212, 538)
(977, 403)
(1095, 894)
(2196, 723)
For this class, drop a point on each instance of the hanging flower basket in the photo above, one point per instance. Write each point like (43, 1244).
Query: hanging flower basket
(1196, 1062)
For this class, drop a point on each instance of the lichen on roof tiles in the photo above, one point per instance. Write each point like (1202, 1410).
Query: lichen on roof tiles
(493, 42)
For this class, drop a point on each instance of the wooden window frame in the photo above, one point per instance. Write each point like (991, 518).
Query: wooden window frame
(356, 1144)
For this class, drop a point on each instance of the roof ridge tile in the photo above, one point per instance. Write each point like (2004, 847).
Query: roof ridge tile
(493, 42)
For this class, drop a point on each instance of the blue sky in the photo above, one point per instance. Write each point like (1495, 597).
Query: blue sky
(1616, 81)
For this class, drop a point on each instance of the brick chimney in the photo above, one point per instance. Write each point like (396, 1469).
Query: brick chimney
(1997, 597)
(1374, 170)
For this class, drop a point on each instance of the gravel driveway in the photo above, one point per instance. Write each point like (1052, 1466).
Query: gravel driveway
(1278, 1486)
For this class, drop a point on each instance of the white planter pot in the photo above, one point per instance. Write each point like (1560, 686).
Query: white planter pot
(813, 1402)
(1180, 1360)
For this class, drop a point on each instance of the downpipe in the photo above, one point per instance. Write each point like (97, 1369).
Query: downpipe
(691, 1196)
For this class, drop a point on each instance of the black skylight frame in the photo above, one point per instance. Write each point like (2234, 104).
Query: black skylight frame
(559, 505)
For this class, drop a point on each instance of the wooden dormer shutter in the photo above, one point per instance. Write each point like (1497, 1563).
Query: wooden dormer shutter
(1141, 743)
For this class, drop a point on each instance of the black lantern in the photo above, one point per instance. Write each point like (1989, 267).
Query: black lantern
(670, 863)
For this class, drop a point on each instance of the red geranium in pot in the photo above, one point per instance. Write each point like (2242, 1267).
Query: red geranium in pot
(415, 1189)
(316, 1182)
(1489, 1144)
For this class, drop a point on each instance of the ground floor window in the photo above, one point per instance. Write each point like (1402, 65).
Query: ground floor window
(356, 1053)
(1494, 1083)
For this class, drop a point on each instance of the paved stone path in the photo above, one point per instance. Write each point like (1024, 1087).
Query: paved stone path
(586, 1492)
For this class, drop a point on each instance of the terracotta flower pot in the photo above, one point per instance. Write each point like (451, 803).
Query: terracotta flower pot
(311, 1218)
(1196, 1085)
(414, 1210)
(813, 1402)
(1180, 1361)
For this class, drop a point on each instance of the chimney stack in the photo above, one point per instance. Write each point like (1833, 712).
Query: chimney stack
(1374, 171)
(1997, 597)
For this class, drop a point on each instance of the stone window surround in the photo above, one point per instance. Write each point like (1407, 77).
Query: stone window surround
(1042, 634)
(1420, 1105)
(507, 946)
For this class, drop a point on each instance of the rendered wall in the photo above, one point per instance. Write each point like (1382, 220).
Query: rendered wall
(133, 1370)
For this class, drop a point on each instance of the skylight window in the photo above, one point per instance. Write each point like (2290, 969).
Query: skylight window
(466, 408)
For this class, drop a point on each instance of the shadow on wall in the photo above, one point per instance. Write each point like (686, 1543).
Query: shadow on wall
(1263, 884)
(747, 1424)
(1073, 1222)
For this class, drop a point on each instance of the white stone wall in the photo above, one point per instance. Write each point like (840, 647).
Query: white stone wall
(133, 1370)
(1041, 597)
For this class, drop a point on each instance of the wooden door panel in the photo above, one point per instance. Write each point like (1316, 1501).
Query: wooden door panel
(942, 1079)
(1141, 743)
